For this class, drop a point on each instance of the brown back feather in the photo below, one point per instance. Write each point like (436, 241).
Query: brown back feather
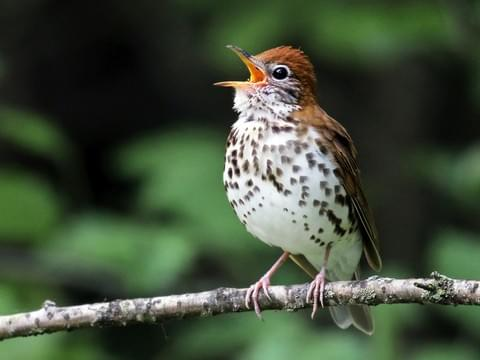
(340, 144)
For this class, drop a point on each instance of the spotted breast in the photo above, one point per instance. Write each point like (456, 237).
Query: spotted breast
(285, 188)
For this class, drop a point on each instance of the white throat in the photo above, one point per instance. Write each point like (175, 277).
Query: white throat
(268, 104)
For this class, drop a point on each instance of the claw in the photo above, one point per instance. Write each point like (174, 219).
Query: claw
(264, 284)
(316, 291)
(254, 291)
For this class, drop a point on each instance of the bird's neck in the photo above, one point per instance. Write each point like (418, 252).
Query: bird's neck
(263, 105)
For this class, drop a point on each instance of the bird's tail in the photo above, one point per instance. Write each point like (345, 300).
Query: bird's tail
(356, 315)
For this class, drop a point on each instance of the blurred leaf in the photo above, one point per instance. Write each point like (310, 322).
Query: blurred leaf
(181, 173)
(144, 256)
(52, 347)
(352, 32)
(281, 336)
(29, 208)
(455, 254)
(458, 175)
(445, 352)
(7, 299)
(33, 133)
(345, 32)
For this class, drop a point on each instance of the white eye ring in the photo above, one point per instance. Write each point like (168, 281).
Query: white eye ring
(280, 72)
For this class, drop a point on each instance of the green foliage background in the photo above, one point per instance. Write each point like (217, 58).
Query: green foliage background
(110, 179)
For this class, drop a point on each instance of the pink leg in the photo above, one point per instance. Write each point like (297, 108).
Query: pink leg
(263, 283)
(317, 286)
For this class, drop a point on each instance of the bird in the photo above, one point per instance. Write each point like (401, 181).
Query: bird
(291, 176)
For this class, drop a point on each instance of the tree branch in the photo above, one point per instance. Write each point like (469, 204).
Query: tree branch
(436, 289)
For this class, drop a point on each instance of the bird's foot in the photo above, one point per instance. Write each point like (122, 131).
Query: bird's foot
(253, 293)
(316, 290)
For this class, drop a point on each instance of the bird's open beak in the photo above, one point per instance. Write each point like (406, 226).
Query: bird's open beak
(257, 74)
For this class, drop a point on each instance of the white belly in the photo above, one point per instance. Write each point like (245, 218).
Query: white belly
(287, 196)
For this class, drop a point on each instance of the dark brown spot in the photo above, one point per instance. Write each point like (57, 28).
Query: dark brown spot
(311, 163)
(323, 184)
(293, 181)
(249, 182)
(316, 203)
(287, 192)
(328, 191)
(256, 188)
(333, 218)
(274, 181)
(337, 172)
(278, 171)
(339, 230)
(230, 173)
(340, 199)
(302, 203)
(296, 168)
(323, 149)
(303, 179)
(309, 156)
(285, 159)
(336, 189)
(320, 230)
(326, 171)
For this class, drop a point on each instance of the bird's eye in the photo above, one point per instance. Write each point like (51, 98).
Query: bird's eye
(280, 72)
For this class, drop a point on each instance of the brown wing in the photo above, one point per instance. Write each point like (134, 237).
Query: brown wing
(340, 144)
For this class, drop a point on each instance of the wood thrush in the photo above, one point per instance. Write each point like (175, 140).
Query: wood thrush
(292, 178)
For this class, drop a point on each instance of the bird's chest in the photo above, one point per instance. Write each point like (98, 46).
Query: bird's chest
(283, 185)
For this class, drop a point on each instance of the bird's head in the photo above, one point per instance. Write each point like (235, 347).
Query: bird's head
(279, 76)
